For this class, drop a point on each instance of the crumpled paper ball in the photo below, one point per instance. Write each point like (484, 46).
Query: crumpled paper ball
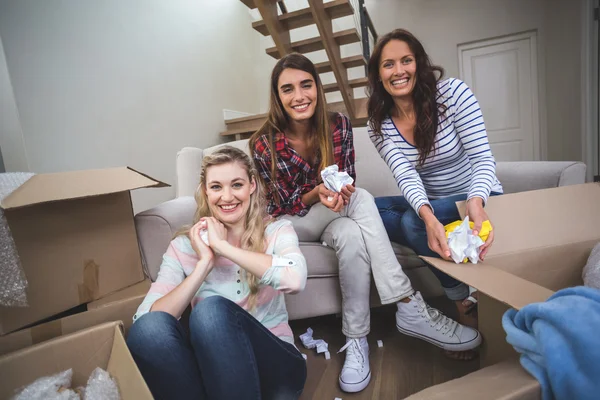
(464, 245)
(335, 180)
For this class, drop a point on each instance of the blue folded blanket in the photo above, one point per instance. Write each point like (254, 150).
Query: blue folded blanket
(559, 342)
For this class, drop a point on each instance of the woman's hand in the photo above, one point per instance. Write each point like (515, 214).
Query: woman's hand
(477, 214)
(436, 234)
(436, 237)
(337, 201)
(217, 235)
(203, 251)
(347, 193)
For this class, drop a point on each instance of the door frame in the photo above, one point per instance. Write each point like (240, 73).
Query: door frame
(540, 141)
(589, 89)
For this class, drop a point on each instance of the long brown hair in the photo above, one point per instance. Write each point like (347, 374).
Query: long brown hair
(278, 120)
(253, 238)
(424, 94)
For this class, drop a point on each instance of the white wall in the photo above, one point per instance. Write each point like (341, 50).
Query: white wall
(11, 135)
(441, 25)
(563, 79)
(109, 83)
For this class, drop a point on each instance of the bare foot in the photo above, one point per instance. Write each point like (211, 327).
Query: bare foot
(467, 311)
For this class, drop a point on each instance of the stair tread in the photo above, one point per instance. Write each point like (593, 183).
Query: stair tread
(346, 36)
(303, 17)
(354, 83)
(244, 119)
(348, 62)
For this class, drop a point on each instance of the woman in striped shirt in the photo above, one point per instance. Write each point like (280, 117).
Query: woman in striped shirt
(239, 344)
(431, 134)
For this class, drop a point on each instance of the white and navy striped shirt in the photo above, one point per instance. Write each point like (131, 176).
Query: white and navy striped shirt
(462, 161)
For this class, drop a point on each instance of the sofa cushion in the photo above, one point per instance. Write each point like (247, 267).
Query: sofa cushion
(372, 173)
(520, 176)
(239, 144)
(321, 260)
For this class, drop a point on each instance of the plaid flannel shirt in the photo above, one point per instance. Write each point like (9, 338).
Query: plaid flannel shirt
(295, 176)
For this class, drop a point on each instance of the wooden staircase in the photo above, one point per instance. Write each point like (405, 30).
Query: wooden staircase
(321, 14)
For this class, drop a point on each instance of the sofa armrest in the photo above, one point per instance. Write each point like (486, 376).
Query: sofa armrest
(156, 227)
(533, 175)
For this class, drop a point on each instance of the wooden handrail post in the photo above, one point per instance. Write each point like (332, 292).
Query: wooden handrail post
(325, 27)
(280, 35)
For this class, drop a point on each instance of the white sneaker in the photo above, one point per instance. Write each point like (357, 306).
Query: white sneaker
(356, 373)
(416, 318)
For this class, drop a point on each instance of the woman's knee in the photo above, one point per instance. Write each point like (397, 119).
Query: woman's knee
(363, 195)
(150, 330)
(210, 316)
(344, 231)
(412, 227)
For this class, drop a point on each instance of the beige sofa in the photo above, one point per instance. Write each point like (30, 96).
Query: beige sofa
(322, 294)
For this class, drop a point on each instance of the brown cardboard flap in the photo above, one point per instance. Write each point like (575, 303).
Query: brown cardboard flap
(44, 188)
(494, 348)
(139, 290)
(122, 367)
(121, 310)
(553, 267)
(506, 381)
(501, 285)
(83, 351)
(542, 218)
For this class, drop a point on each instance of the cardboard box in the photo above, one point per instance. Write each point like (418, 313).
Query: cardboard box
(120, 306)
(542, 242)
(138, 291)
(506, 380)
(76, 238)
(100, 346)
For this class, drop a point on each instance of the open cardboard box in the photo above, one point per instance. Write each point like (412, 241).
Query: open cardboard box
(542, 242)
(100, 346)
(119, 306)
(76, 238)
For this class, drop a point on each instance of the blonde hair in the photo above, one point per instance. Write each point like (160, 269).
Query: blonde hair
(253, 238)
(320, 142)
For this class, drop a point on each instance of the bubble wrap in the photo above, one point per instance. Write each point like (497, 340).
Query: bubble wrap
(100, 386)
(13, 282)
(47, 388)
(591, 271)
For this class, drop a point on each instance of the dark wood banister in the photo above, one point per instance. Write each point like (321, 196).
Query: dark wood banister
(282, 7)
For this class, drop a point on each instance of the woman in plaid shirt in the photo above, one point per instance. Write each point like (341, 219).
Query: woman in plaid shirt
(297, 141)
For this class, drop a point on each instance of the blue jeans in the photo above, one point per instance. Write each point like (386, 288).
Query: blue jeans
(228, 354)
(405, 227)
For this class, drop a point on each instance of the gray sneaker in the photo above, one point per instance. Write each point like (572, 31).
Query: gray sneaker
(416, 318)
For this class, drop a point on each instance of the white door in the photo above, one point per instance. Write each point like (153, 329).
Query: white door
(503, 75)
